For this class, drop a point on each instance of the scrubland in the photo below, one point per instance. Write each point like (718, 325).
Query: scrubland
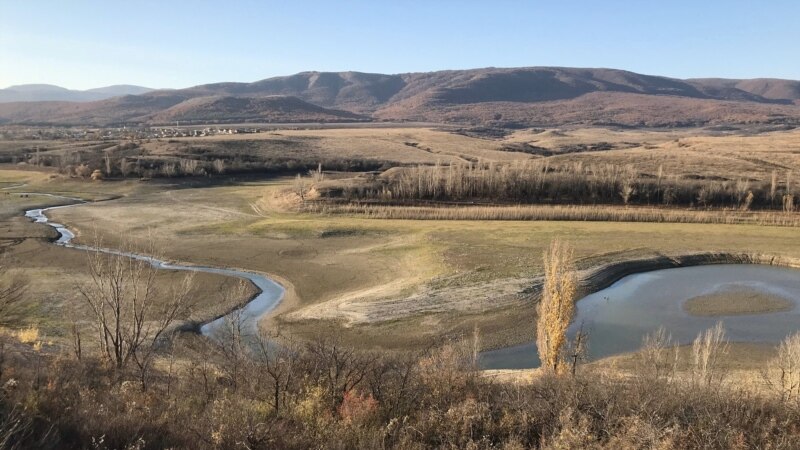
(389, 296)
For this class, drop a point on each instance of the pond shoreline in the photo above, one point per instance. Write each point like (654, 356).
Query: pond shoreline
(600, 277)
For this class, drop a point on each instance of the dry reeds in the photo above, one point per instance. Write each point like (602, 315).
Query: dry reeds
(589, 213)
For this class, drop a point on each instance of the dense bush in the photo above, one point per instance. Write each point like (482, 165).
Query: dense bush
(323, 395)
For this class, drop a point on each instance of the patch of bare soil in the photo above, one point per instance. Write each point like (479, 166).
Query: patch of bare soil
(386, 302)
(736, 302)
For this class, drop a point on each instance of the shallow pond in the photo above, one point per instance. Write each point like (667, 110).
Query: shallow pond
(617, 318)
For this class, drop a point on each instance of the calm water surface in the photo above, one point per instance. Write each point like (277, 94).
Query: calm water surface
(618, 317)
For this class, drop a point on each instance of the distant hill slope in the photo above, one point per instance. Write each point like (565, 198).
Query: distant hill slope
(527, 96)
(164, 109)
(277, 108)
(768, 88)
(48, 92)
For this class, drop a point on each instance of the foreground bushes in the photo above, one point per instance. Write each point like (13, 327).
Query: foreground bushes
(321, 395)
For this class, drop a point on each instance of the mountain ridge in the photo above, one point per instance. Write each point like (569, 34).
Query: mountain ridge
(50, 92)
(526, 96)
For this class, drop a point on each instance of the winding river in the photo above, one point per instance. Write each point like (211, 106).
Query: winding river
(269, 295)
(616, 318)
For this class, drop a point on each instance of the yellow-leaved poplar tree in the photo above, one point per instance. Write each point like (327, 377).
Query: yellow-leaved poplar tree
(557, 305)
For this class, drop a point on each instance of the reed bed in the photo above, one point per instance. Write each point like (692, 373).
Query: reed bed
(602, 213)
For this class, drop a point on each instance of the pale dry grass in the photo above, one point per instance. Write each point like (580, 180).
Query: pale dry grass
(558, 213)
(398, 145)
(691, 153)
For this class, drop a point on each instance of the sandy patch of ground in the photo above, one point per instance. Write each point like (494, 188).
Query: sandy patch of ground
(735, 302)
(381, 303)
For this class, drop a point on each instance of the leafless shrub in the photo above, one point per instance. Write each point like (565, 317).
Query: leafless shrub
(782, 374)
(317, 175)
(219, 166)
(189, 167)
(748, 201)
(707, 350)
(656, 361)
(83, 171)
(300, 187)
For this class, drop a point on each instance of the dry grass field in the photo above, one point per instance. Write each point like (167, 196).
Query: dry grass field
(397, 283)
(391, 294)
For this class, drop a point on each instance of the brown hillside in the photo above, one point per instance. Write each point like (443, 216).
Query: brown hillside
(600, 108)
(247, 109)
(500, 96)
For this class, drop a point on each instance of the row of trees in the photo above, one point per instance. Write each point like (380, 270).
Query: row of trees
(539, 182)
(131, 160)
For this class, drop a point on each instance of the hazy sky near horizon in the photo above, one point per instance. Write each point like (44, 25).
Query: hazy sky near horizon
(83, 44)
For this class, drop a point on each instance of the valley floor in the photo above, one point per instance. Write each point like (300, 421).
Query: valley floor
(391, 284)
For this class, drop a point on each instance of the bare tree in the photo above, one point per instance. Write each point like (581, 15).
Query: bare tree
(577, 351)
(317, 175)
(788, 203)
(107, 160)
(231, 339)
(707, 350)
(748, 201)
(125, 167)
(557, 305)
(773, 187)
(703, 196)
(783, 373)
(338, 369)
(277, 363)
(130, 313)
(627, 192)
(219, 166)
(189, 167)
(656, 363)
(476, 346)
(300, 187)
(742, 187)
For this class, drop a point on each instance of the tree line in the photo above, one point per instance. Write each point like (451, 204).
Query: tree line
(577, 183)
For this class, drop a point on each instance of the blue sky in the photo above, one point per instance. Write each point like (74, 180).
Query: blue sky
(83, 44)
